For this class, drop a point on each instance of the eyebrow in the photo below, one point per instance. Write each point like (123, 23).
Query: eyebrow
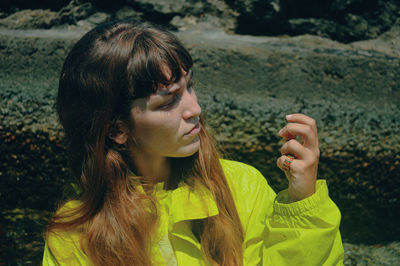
(189, 76)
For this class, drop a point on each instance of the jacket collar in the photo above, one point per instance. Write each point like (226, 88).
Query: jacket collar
(186, 203)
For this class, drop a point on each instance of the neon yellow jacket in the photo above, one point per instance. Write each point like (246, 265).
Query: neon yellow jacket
(277, 232)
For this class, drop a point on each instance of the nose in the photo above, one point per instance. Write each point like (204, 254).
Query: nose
(191, 106)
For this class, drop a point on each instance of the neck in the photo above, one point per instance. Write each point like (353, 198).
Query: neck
(153, 169)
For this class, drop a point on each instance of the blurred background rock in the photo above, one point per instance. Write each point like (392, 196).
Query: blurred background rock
(255, 61)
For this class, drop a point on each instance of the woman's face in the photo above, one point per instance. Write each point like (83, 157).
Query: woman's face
(166, 124)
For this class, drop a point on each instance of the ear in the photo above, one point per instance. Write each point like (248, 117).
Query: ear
(121, 138)
(119, 133)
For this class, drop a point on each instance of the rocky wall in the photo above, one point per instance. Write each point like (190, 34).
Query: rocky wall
(342, 20)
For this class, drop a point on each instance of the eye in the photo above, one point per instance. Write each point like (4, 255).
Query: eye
(176, 97)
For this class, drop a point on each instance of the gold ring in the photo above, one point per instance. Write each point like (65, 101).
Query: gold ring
(288, 161)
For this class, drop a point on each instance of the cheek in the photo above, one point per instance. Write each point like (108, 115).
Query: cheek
(156, 128)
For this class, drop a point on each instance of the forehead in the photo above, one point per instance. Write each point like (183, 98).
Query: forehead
(163, 89)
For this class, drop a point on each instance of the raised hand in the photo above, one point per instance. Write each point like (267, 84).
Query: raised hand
(299, 160)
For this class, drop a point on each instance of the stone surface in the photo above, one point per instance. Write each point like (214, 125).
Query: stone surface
(76, 10)
(128, 12)
(379, 254)
(31, 19)
(316, 26)
(343, 20)
(98, 18)
(206, 22)
(388, 42)
(164, 7)
(13, 5)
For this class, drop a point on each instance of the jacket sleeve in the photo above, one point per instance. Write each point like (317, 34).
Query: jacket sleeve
(278, 232)
(305, 232)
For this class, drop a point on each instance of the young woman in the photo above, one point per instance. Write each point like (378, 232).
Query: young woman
(152, 188)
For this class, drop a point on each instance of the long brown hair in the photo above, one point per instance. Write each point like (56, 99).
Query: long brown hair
(106, 70)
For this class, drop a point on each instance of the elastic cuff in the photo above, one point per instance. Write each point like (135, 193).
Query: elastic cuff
(298, 207)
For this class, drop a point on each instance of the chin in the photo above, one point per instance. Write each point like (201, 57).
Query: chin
(188, 150)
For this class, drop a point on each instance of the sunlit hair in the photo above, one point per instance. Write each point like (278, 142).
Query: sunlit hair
(105, 71)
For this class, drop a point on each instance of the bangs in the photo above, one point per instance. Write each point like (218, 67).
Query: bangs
(158, 59)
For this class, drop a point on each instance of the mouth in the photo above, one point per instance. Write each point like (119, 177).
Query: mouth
(194, 131)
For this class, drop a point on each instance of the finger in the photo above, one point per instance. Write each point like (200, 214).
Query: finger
(302, 119)
(286, 163)
(295, 148)
(309, 137)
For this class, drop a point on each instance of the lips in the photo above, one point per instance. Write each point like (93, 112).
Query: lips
(194, 130)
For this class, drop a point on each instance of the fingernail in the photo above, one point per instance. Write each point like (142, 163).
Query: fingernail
(289, 116)
(280, 131)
